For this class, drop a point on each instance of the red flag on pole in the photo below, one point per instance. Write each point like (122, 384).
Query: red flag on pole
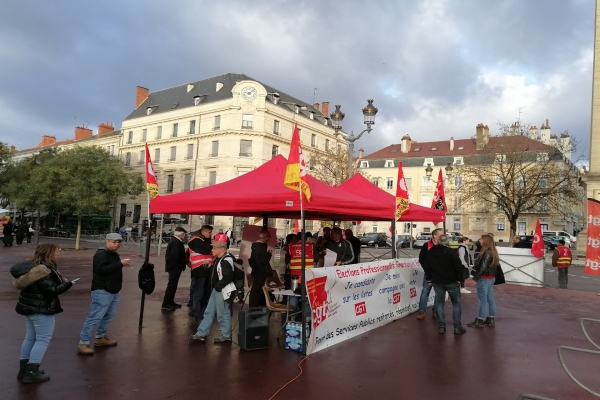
(537, 248)
(592, 251)
(151, 184)
(439, 198)
(402, 203)
(297, 227)
(295, 172)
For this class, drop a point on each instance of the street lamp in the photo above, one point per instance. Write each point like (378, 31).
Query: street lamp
(337, 117)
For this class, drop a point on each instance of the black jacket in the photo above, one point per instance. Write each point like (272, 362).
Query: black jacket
(108, 271)
(40, 287)
(423, 253)
(260, 260)
(226, 272)
(443, 266)
(201, 246)
(483, 266)
(343, 251)
(7, 229)
(355, 243)
(175, 255)
(22, 230)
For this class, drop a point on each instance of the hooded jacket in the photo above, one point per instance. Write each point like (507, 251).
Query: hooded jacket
(108, 271)
(443, 266)
(40, 287)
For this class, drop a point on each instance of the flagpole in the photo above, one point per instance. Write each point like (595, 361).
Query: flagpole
(147, 255)
(303, 285)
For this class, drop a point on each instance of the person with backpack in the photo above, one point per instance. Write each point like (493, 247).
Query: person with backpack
(221, 296)
(466, 261)
(40, 284)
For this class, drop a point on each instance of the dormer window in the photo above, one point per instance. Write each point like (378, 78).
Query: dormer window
(417, 149)
(326, 121)
(364, 164)
(458, 161)
(428, 161)
(389, 163)
(297, 109)
(275, 97)
(394, 150)
(149, 110)
(434, 148)
(311, 115)
(196, 100)
(461, 147)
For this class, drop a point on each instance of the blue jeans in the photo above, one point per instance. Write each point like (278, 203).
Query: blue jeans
(424, 294)
(453, 290)
(37, 337)
(102, 311)
(216, 305)
(485, 292)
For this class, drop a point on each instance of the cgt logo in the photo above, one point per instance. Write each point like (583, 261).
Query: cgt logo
(396, 298)
(594, 243)
(360, 308)
(592, 264)
(413, 292)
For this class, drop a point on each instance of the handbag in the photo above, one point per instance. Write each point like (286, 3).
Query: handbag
(499, 276)
(146, 281)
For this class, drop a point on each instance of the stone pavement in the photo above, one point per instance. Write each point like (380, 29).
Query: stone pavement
(406, 359)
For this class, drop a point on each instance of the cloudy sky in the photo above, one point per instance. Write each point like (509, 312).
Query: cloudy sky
(435, 68)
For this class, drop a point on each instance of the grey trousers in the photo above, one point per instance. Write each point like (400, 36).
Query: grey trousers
(563, 278)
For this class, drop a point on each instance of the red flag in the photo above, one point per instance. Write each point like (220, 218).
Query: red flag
(402, 203)
(297, 227)
(439, 198)
(592, 251)
(537, 248)
(295, 172)
(151, 184)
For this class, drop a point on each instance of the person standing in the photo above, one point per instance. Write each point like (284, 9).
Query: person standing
(260, 262)
(107, 282)
(30, 232)
(221, 296)
(485, 276)
(40, 284)
(7, 232)
(201, 264)
(445, 272)
(355, 243)
(20, 233)
(175, 262)
(465, 260)
(341, 247)
(426, 286)
(321, 246)
(561, 259)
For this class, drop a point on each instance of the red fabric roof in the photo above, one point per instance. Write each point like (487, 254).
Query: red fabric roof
(261, 191)
(416, 213)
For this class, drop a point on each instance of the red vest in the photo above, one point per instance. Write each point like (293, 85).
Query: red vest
(564, 257)
(197, 259)
(221, 237)
(296, 258)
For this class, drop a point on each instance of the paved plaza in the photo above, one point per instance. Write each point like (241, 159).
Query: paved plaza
(406, 359)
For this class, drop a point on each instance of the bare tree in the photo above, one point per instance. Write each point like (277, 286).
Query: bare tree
(515, 174)
(330, 166)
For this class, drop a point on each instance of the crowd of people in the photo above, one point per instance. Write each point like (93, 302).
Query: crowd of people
(18, 231)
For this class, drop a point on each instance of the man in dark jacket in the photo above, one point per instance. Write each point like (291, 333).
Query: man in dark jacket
(426, 287)
(518, 243)
(341, 247)
(221, 296)
(444, 271)
(260, 262)
(175, 261)
(355, 243)
(201, 264)
(107, 282)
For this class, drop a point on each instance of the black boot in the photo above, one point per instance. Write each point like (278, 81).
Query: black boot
(478, 323)
(23, 368)
(34, 375)
(490, 321)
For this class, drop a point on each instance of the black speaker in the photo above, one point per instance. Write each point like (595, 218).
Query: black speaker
(254, 328)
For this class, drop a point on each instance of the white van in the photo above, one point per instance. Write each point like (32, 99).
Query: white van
(560, 233)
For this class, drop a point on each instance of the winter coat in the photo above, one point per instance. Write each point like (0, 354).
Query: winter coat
(343, 251)
(175, 258)
(40, 287)
(108, 271)
(442, 266)
(483, 266)
(260, 260)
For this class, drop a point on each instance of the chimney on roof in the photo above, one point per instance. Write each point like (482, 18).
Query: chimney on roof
(47, 141)
(533, 132)
(325, 108)
(451, 143)
(105, 127)
(405, 144)
(82, 132)
(141, 94)
(219, 86)
(545, 133)
(316, 106)
(361, 153)
(513, 130)
(190, 86)
(482, 136)
(12, 148)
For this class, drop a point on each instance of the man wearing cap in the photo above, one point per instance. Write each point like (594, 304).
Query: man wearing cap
(107, 282)
(221, 296)
(175, 261)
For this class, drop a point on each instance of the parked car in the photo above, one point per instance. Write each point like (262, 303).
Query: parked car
(563, 234)
(374, 240)
(402, 241)
(56, 232)
(549, 244)
(555, 239)
(421, 239)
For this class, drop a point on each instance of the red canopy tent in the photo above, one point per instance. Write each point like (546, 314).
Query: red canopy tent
(261, 192)
(358, 184)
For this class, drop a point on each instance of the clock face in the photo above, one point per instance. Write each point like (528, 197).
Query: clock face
(249, 93)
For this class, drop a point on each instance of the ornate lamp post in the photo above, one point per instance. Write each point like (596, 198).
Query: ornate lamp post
(337, 117)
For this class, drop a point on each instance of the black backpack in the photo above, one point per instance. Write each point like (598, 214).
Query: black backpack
(238, 273)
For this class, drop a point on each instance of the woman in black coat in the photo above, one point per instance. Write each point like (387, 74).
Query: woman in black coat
(40, 284)
(7, 232)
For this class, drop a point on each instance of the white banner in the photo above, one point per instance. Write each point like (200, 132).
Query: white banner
(349, 300)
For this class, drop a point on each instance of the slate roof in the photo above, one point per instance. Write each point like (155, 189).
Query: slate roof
(178, 97)
(68, 141)
(462, 147)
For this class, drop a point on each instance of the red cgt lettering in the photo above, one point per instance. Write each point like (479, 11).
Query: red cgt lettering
(360, 308)
(396, 298)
